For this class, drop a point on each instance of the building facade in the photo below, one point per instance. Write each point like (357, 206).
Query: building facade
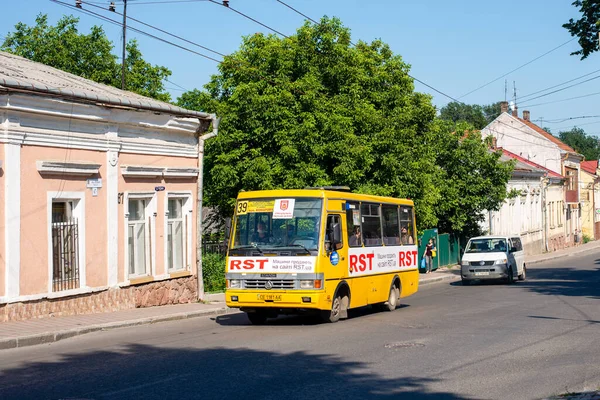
(99, 199)
(561, 207)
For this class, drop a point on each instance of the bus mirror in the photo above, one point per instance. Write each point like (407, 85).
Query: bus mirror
(227, 230)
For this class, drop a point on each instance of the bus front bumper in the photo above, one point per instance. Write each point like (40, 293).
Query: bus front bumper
(277, 299)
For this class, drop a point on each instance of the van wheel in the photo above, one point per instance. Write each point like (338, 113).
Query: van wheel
(257, 317)
(523, 276)
(392, 302)
(336, 310)
(510, 279)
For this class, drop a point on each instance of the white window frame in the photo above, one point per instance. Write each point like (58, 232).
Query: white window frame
(149, 235)
(187, 212)
(78, 212)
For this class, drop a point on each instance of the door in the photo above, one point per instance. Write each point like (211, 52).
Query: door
(519, 254)
(336, 257)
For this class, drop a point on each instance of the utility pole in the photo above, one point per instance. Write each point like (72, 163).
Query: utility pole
(124, 44)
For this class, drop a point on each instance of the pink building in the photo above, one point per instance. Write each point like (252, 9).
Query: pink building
(98, 195)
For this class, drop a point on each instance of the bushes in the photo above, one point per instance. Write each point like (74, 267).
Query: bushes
(213, 272)
(586, 238)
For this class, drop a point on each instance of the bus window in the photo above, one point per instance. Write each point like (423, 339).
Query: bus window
(353, 224)
(371, 224)
(332, 222)
(391, 227)
(407, 228)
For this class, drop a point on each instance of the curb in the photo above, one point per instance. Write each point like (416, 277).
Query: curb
(563, 255)
(446, 277)
(51, 337)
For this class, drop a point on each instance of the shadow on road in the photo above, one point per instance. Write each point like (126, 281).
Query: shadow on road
(564, 282)
(292, 320)
(148, 372)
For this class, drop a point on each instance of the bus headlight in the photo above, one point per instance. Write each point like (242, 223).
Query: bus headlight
(234, 283)
(307, 284)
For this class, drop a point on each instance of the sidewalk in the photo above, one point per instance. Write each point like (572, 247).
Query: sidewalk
(48, 330)
(571, 251)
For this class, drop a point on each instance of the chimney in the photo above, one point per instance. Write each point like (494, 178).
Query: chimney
(526, 115)
(515, 112)
(504, 106)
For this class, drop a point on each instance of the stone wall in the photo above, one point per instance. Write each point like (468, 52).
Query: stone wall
(173, 291)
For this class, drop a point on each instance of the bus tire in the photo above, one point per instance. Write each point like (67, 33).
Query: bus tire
(257, 317)
(393, 298)
(334, 314)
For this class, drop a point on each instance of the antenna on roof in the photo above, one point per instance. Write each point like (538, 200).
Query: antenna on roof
(505, 89)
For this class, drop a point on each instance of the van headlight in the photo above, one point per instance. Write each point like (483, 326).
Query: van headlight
(235, 283)
(464, 263)
(502, 261)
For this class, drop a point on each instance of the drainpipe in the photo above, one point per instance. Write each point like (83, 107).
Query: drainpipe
(199, 214)
(545, 249)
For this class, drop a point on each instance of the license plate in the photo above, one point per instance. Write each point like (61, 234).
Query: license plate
(271, 297)
(481, 273)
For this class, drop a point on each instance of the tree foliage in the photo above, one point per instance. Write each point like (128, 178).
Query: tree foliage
(87, 55)
(474, 114)
(313, 110)
(586, 28)
(582, 143)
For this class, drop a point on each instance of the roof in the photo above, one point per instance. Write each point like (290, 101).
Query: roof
(23, 75)
(527, 165)
(320, 194)
(547, 135)
(590, 166)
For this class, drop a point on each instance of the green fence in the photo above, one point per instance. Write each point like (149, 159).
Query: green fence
(448, 248)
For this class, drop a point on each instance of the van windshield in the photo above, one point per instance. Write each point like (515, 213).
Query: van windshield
(492, 245)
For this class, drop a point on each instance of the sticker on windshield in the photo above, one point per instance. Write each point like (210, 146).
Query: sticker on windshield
(284, 209)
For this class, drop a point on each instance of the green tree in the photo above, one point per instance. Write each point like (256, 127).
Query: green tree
(582, 143)
(586, 28)
(471, 113)
(313, 110)
(87, 55)
(492, 111)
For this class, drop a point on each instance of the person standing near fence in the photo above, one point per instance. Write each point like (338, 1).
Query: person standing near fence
(429, 249)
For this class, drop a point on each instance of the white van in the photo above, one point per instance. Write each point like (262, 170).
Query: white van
(493, 257)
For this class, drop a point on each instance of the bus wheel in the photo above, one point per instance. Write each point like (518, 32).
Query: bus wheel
(392, 302)
(257, 317)
(336, 310)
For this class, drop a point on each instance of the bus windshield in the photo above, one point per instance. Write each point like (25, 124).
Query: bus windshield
(292, 223)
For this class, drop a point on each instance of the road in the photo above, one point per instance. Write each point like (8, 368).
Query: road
(492, 341)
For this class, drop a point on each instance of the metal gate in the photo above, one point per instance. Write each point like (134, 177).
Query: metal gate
(65, 255)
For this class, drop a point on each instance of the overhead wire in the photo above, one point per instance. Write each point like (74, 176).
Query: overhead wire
(160, 30)
(516, 69)
(560, 84)
(560, 90)
(559, 101)
(317, 23)
(135, 30)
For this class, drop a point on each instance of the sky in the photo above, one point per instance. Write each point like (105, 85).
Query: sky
(453, 46)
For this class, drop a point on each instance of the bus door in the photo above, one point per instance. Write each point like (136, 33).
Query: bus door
(336, 251)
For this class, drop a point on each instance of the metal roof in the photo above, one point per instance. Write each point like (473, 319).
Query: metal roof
(23, 75)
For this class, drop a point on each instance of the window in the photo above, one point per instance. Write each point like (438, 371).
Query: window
(65, 246)
(176, 235)
(391, 225)
(137, 236)
(516, 242)
(353, 224)
(332, 222)
(371, 224)
(551, 214)
(559, 212)
(407, 224)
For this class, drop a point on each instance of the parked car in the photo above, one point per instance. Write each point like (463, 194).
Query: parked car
(493, 257)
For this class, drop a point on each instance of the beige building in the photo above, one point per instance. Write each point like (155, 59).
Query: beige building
(99, 195)
(588, 187)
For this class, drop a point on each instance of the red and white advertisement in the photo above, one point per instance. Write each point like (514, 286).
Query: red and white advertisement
(271, 264)
(377, 260)
(284, 209)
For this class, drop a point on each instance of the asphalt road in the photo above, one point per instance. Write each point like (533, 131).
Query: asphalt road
(492, 341)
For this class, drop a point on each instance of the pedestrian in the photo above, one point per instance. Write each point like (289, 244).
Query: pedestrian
(355, 239)
(429, 249)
